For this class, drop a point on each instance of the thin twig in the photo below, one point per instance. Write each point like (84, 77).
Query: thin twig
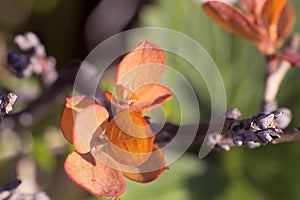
(272, 84)
(275, 72)
(289, 136)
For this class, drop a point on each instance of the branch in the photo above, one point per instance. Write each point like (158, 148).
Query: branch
(289, 136)
(259, 130)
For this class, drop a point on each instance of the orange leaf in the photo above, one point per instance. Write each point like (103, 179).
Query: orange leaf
(67, 123)
(286, 23)
(111, 98)
(130, 139)
(271, 13)
(253, 9)
(88, 126)
(123, 93)
(233, 20)
(258, 6)
(94, 176)
(80, 120)
(247, 5)
(71, 108)
(149, 170)
(144, 64)
(149, 96)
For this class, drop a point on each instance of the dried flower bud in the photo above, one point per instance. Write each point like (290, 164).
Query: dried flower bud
(285, 118)
(18, 62)
(33, 59)
(6, 103)
(238, 139)
(233, 113)
(27, 42)
(267, 136)
(263, 121)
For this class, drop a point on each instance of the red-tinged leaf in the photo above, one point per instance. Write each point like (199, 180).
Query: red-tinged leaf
(72, 106)
(87, 126)
(149, 96)
(79, 102)
(144, 64)
(130, 139)
(123, 93)
(111, 98)
(271, 13)
(292, 58)
(149, 170)
(233, 20)
(120, 92)
(67, 123)
(247, 5)
(94, 176)
(258, 6)
(286, 23)
(254, 9)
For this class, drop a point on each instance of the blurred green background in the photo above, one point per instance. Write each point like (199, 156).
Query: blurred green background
(70, 29)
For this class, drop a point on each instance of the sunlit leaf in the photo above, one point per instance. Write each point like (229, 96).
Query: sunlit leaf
(94, 176)
(271, 13)
(253, 7)
(149, 170)
(258, 6)
(120, 91)
(72, 106)
(150, 95)
(87, 126)
(247, 5)
(286, 23)
(111, 98)
(67, 123)
(144, 64)
(80, 119)
(232, 20)
(79, 102)
(130, 139)
(123, 93)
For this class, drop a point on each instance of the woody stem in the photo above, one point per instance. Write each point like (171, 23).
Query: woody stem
(273, 81)
(275, 72)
